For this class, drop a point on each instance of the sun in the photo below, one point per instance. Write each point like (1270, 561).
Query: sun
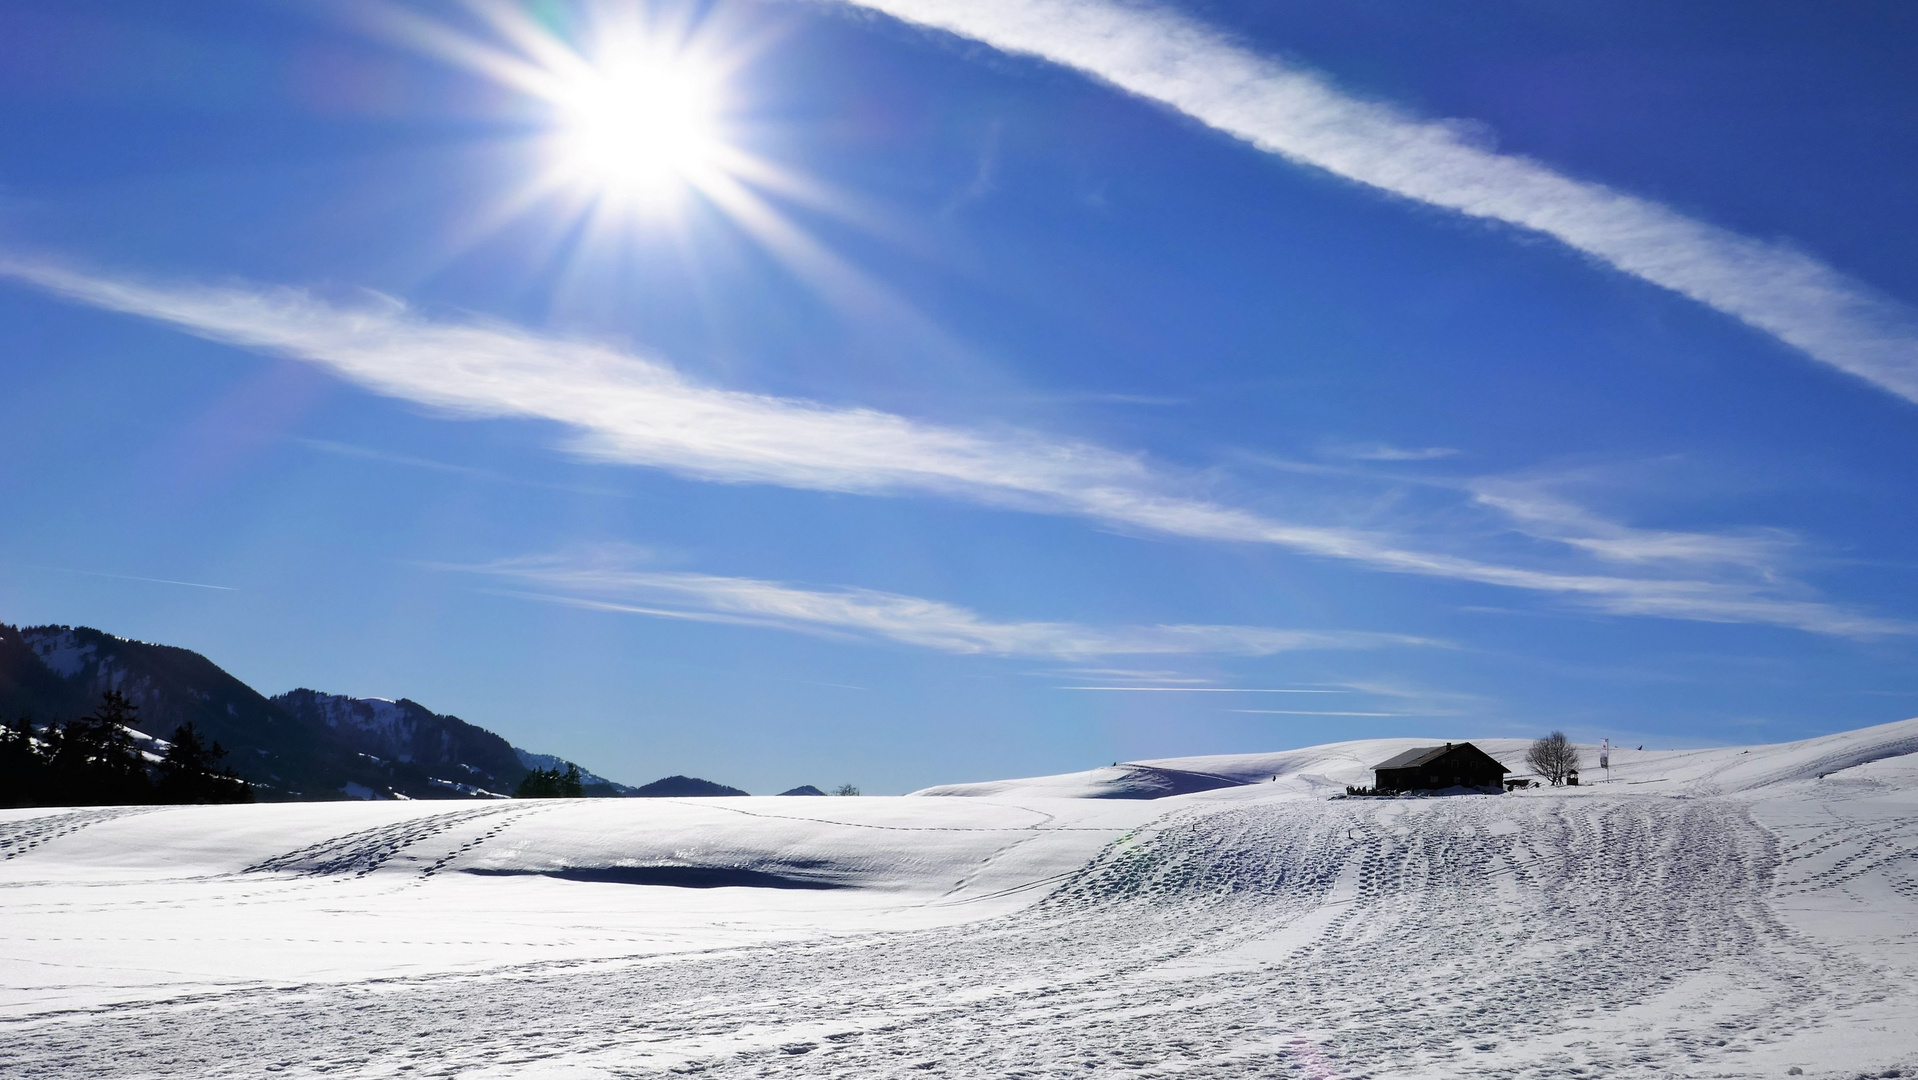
(643, 125)
(639, 123)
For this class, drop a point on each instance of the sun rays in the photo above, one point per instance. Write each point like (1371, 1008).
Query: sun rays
(635, 112)
(632, 140)
(638, 123)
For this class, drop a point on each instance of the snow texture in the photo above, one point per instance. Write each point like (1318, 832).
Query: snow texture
(62, 652)
(1736, 912)
(68, 656)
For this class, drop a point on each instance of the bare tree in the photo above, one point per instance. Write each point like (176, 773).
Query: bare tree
(1553, 757)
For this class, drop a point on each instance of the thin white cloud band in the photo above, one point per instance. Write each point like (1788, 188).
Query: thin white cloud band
(593, 581)
(635, 410)
(1168, 58)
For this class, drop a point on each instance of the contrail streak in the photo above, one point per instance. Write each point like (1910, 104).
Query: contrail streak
(1168, 58)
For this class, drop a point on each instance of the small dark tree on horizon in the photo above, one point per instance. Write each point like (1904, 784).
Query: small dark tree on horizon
(552, 784)
(845, 789)
(1553, 757)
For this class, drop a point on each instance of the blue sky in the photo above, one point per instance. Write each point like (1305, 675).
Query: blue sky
(1290, 372)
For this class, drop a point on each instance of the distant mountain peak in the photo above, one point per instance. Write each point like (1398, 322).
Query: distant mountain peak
(303, 744)
(429, 754)
(684, 787)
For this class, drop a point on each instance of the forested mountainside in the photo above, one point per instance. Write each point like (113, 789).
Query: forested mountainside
(405, 736)
(595, 786)
(299, 745)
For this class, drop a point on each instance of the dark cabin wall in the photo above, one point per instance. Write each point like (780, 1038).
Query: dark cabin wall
(1428, 778)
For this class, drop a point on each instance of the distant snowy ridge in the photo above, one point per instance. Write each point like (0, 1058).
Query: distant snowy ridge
(1329, 769)
(1127, 780)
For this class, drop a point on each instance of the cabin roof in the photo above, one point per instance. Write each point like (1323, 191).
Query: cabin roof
(1426, 755)
(1418, 755)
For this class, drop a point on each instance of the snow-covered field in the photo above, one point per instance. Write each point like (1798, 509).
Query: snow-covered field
(1731, 912)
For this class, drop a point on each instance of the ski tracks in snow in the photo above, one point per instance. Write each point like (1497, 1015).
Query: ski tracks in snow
(1535, 936)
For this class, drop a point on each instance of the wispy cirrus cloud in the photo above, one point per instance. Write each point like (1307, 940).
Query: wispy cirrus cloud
(367, 453)
(1156, 676)
(1326, 712)
(1204, 689)
(1166, 57)
(1536, 508)
(627, 408)
(604, 580)
(1377, 451)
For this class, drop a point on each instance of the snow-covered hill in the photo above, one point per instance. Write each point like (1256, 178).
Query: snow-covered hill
(1329, 769)
(1739, 912)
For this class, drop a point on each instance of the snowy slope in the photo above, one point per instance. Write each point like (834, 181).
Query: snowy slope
(1738, 912)
(1329, 769)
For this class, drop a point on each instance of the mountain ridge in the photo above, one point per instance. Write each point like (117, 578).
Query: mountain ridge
(304, 744)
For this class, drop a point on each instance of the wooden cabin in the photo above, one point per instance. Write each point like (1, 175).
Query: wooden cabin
(1428, 768)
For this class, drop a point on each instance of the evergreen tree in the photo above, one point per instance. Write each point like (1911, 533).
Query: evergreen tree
(22, 766)
(552, 784)
(190, 772)
(538, 784)
(93, 760)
